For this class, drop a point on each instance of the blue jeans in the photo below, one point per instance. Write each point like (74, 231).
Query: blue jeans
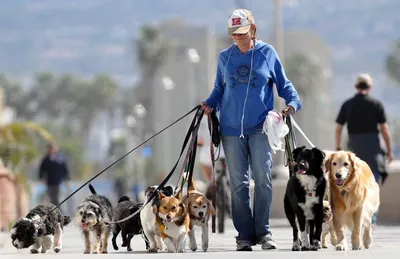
(253, 150)
(377, 179)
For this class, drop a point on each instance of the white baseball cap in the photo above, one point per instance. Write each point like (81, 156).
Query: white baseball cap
(240, 21)
(364, 78)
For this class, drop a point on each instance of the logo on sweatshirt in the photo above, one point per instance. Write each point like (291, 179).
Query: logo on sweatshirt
(241, 75)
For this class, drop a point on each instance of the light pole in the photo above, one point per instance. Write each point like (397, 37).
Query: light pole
(168, 85)
(194, 59)
(279, 167)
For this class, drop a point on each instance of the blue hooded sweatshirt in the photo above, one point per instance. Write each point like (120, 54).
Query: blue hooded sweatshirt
(243, 88)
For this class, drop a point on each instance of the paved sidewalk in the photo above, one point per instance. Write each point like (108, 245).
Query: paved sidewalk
(386, 243)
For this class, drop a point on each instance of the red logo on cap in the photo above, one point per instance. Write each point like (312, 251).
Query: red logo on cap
(235, 21)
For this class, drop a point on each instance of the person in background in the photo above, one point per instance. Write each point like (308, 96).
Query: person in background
(365, 117)
(53, 171)
(243, 94)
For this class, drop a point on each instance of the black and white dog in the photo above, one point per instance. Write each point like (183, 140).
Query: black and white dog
(304, 196)
(92, 217)
(38, 231)
(129, 228)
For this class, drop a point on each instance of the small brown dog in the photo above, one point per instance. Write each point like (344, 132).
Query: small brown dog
(173, 222)
(200, 210)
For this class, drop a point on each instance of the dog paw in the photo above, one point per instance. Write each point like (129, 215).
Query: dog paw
(324, 245)
(341, 247)
(124, 244)
(356, 247)
(57, 249)
(152, 250)
(296, 245)
(86, 252)
(170, 251)
(129, 249)
(34, 251)
(316, 244)
(305, 248)
(204, 247)
(181, 250)
(104, 252)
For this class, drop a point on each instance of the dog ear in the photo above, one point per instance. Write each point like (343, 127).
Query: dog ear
(179, 195)
(297, 151)
(160, 195)
(328, 162)
(210, 208)
(319, 155)
(354, 160)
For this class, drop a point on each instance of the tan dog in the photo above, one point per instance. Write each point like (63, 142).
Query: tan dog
(200, 210)
(354, 198)
(173, 222)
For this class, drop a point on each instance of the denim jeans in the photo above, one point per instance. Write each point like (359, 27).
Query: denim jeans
(377, 179)
(253, 150)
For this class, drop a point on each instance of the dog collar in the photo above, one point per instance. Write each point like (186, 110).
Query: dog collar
(343, 192)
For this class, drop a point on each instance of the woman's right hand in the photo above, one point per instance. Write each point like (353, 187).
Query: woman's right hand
(207, 109)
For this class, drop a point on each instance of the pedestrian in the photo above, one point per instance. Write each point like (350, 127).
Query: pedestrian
(365, 117)
(53, 171)
(243, 94)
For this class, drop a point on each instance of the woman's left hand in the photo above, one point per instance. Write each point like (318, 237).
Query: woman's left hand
(289, 109)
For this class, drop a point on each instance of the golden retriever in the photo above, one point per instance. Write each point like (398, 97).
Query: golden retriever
(354, 197)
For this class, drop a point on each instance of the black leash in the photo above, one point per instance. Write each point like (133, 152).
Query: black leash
(108, 167)
(290, 145)
(192, 131)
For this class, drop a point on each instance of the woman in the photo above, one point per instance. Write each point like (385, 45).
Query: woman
(243, 93)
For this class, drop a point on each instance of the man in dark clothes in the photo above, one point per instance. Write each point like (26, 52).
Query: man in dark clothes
(53, 171)
(365, 117)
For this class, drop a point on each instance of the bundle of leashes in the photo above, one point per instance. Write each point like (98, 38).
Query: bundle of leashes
(291, 142)
(188, 164)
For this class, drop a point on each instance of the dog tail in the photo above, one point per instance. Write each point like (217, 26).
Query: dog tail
(124, 198)
(91, 188)
(67, 220)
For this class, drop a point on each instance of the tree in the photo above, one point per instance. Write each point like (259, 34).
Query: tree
(303, 73)
(393, 63)
(152, 51)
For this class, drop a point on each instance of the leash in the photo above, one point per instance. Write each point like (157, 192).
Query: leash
(197, 108)
(290, 142)
(192, 130)
(214, 132)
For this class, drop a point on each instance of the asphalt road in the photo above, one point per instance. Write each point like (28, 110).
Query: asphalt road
(386, 243)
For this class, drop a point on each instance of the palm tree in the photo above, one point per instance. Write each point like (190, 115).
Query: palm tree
(393, 63)
(152, 51)
(20, 144)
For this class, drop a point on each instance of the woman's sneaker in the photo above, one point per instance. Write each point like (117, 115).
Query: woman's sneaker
(267, 243)
(243, 245)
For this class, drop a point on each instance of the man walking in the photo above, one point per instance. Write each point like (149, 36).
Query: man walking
(365, 117)
(53, 171)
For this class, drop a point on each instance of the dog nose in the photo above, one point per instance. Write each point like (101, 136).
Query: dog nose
(201, 214)
(82, 220)
(338, 176)
(168, 216)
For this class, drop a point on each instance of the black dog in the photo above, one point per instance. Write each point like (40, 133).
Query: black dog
(129, 228)
(304, 196)
(39, 231)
